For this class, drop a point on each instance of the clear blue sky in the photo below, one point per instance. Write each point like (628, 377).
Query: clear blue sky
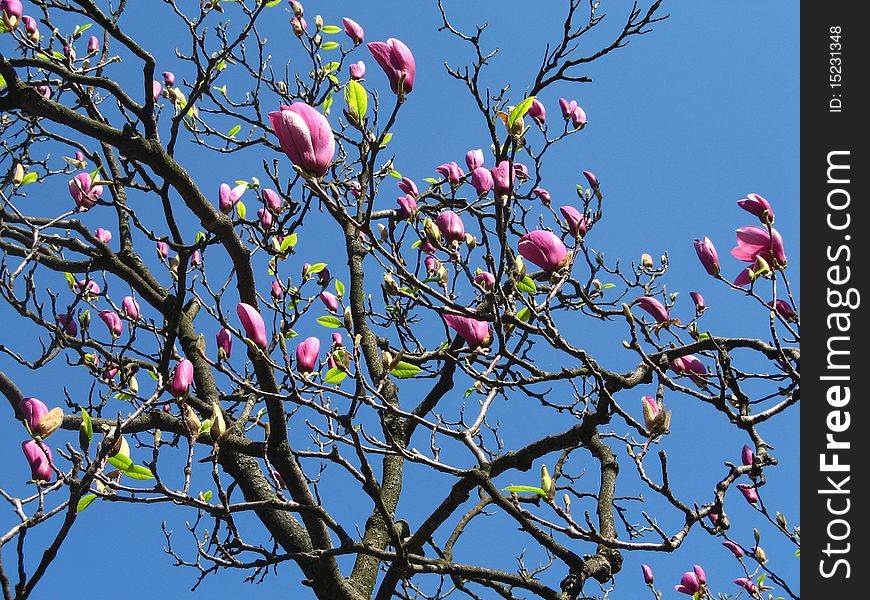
(682, 123)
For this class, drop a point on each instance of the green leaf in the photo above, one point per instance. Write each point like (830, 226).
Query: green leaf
(525, 315)
(331, 29)
(525, 489)
(234, 131)
(520, 111)
(331, 66)
(327, 104)
(84, 502)
(30, 178)
(430, 180)
(386, 140)
(316, 268)
(2, 80)
(269, 4)
(70, 279)
(288, 242)
(329, 45)
(357, 100)
(607, 286)
(205, 496)
(241, 209)
(527, 285)
(330, 321)
(334, 375)
(152, 374)
(200, 237)
(139, 472)
(396, 174)
(89, 425)
(205, 427)
(339, 288)
(416, 244)
(405, 370)
(120, 462)
(80, 29)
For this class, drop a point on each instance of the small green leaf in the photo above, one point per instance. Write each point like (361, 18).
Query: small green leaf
(70, 279)
(80, 29)
(152, 374)
(290, 334)
(331, 66)
(331, 29)
(525, 315)
(525, 489)
(527, 285)
(416, 244)
(2, 80)
(329, 45)
(84, 502)
(89, 425)
(607, 286)
(205, 496)
(269, 4)
(386, 140)
(470, 391)
(357, 100)
(232, 132)
(120, 462)
(327, 104)
(405, 370)
(205, 427)
(288, 242)
(241, 209)
(220, 67)
(339, 288)
(316, 268)
(30, 178)
(335, 375)
(520, 111)
(396, 174)
(139, 472)
(330, 321)
(200, 237)
(430, 180)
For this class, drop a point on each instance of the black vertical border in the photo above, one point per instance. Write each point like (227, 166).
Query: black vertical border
(827, 128)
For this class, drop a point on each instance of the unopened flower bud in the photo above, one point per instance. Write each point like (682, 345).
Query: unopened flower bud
(218, 429)
(191, 421)
(470, 241)
(519, 267)
(390, 285)
(646, 260)
(18, 175)
(760, 555)
(382, 231)
(348, 319)
(318, 22)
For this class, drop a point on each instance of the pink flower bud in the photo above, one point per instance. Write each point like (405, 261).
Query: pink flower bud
(736, 550)
(273, 201)
(104, 235)
(431, 264)
(196, 258)
(451, 171)
(544, 249)
(224, 343)
(691, 366)
(749, 492)
(277, 290)
(179, 387)
(39, 458)
(156, 88)
(747, 456)
(485, 279)
(130, 308)
(784, 309)
(93, 45)
(408, 205)
(543, 195)
(299, 25)
(578, 118)
(578, 223)
(689, 584)
(567, 108)
(451, 226)
(163, 249)
(758, 206)
(168, 78)
(396, 60)
(707, 255)
(83, 192)
(647, 574)
(474, 159)
(698, 299)
(409, 187)
(87, 287)
(30, 26)
(264, 216)
(113, 322)
(252, 321)
(475, 333)
(307, 354)
(336, 340)
(228, 197)
(747, 584)
(501, 178)
(357, 70)
(305, 137)
(68, 323)
(354, 31)
(481, 180)
(32, 410)
(45, 91)
(654, 307)
(537, 111)
(329, 300)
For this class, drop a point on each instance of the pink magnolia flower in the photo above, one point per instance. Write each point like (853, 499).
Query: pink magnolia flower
(521, 172)
(87, 287)
(544, 249)
(329, 300)
(578, 223)
(409, 187)
(698, 299)
(655, 417)
(451, 226)
(647, 574)
(228, 197)
(224, 341)
(156, 88)
(179, 387)
(592, 179)
(578, 118)
(736, 550)
(298, 24)
(104, 235)
(277, 290)
(408, 205)
(691, 366)
(163, 249)
(39, 459)
(784, 309)
(130, 308)
(337, 340)
(264, 216)
(451, 171)
(354, 31)
(396, 60)
(654, 307)
(307, 354)
(758, 206)
(168, 78)
(273, 201)
(305, 137)
(689, 584)
(747, 584)
(83, 192)
(543, 195)
(567, 108)
(754, 241)
(93, 45)
(501, 177)
(12, 11)
(196, 258)
(45, 91)
(474, 332)
(485, 279)
(68, 323)
(113, 322)
(707, 255)
(481, 180)
(747, 456)
(537, 111)
(252, 321)
(32, 410)
(474, 159)
(749, 492)
(358, 70)
(30, 26)
(431, 264)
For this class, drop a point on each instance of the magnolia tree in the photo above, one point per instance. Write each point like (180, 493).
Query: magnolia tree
(175, 304)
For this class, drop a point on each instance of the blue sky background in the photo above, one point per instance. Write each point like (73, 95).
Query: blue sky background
(683, 122)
